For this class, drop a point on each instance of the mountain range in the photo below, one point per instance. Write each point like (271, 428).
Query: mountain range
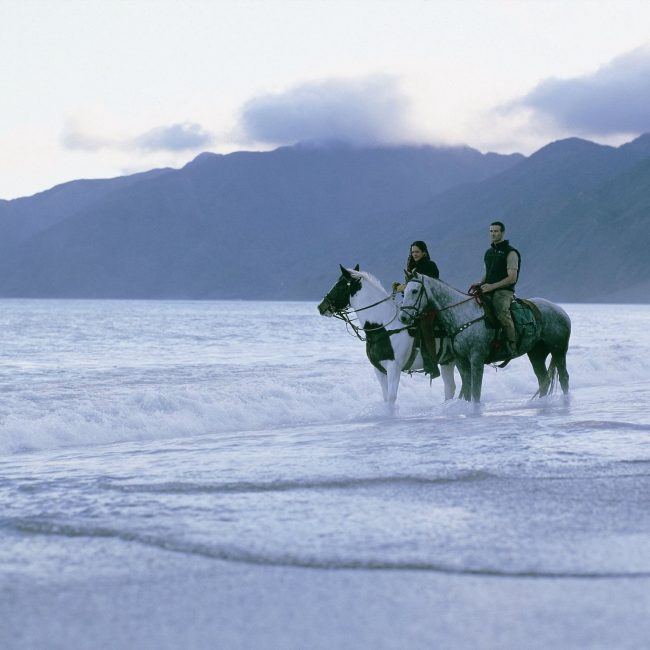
(275, 225)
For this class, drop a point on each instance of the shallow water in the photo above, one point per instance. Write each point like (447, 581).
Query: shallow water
(253, 433)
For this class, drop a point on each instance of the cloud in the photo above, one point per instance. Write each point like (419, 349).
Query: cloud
(75, 138)
(615, 99)
(177, 137)
(371, 110)
(173, 138)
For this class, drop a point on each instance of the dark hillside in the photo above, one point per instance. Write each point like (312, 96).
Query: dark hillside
(275, 225)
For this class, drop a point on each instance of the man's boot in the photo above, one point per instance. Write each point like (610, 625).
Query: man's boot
(511, 349)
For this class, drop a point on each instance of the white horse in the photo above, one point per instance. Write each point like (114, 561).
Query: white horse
(389, 346)
(474, 342)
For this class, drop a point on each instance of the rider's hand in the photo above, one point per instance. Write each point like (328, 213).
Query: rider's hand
(486, 287)
(397, 287)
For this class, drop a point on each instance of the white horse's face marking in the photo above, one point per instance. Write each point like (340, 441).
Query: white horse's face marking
(338, 297)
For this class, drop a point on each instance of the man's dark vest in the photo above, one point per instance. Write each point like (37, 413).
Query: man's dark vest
(496, 266)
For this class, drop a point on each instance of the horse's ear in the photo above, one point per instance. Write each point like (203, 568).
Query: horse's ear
(356, 268)
(408, 274)
(344, 272)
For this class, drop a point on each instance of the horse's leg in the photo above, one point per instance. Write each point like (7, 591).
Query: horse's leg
(383, 382)
(557, 331)
(477, 379)
(466, 378)
(563, 375)
(447, 372)
(394, 372)
(537, 356)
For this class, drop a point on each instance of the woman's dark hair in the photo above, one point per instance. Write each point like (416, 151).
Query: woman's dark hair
(410, 263)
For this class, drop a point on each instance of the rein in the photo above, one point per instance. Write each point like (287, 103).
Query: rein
(418, 311)
(462, 302)
(374, 304)
(344, 315)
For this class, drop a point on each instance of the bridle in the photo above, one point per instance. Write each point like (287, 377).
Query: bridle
(416, 310)
(344, 314)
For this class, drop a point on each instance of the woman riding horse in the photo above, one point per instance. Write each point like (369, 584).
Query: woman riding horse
(419, 261)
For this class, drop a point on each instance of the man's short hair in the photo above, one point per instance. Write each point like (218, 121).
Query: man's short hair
(498, 223)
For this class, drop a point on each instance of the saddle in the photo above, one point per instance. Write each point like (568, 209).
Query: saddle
(526, 317)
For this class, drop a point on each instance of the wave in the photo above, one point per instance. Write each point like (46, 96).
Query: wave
(232, 553)
(149, 382)
(142, 405)
(164, 412)
(606, 425)
(248, 403)
(175, 487)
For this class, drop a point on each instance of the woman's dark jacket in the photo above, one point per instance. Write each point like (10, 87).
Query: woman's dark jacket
(426, 267)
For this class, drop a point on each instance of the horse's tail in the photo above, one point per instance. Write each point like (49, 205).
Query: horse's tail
(551, 379)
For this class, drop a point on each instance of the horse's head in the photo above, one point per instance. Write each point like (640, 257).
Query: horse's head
(415, 299)
(338, 297)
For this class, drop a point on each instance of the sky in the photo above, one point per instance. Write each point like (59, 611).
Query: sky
(104, 88)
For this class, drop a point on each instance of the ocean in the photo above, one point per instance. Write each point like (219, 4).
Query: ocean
(225, 475)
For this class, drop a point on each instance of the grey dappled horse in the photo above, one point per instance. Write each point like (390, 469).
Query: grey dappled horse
(389, 346)
(464, 321)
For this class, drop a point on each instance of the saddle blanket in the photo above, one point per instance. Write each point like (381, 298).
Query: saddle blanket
(526, 318)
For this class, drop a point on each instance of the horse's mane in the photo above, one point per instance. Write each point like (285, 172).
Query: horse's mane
(445, 283)
(370, 278)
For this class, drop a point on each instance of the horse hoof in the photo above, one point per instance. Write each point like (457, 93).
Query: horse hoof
(477, 408)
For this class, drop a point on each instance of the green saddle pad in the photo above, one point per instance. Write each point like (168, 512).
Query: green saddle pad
(526, 324)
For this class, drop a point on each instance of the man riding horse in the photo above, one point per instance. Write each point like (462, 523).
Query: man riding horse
(502, 264)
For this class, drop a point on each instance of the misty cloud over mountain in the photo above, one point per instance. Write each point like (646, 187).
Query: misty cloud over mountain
(363, 112)
(76, 138)
(614, 99)
(176, 137)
